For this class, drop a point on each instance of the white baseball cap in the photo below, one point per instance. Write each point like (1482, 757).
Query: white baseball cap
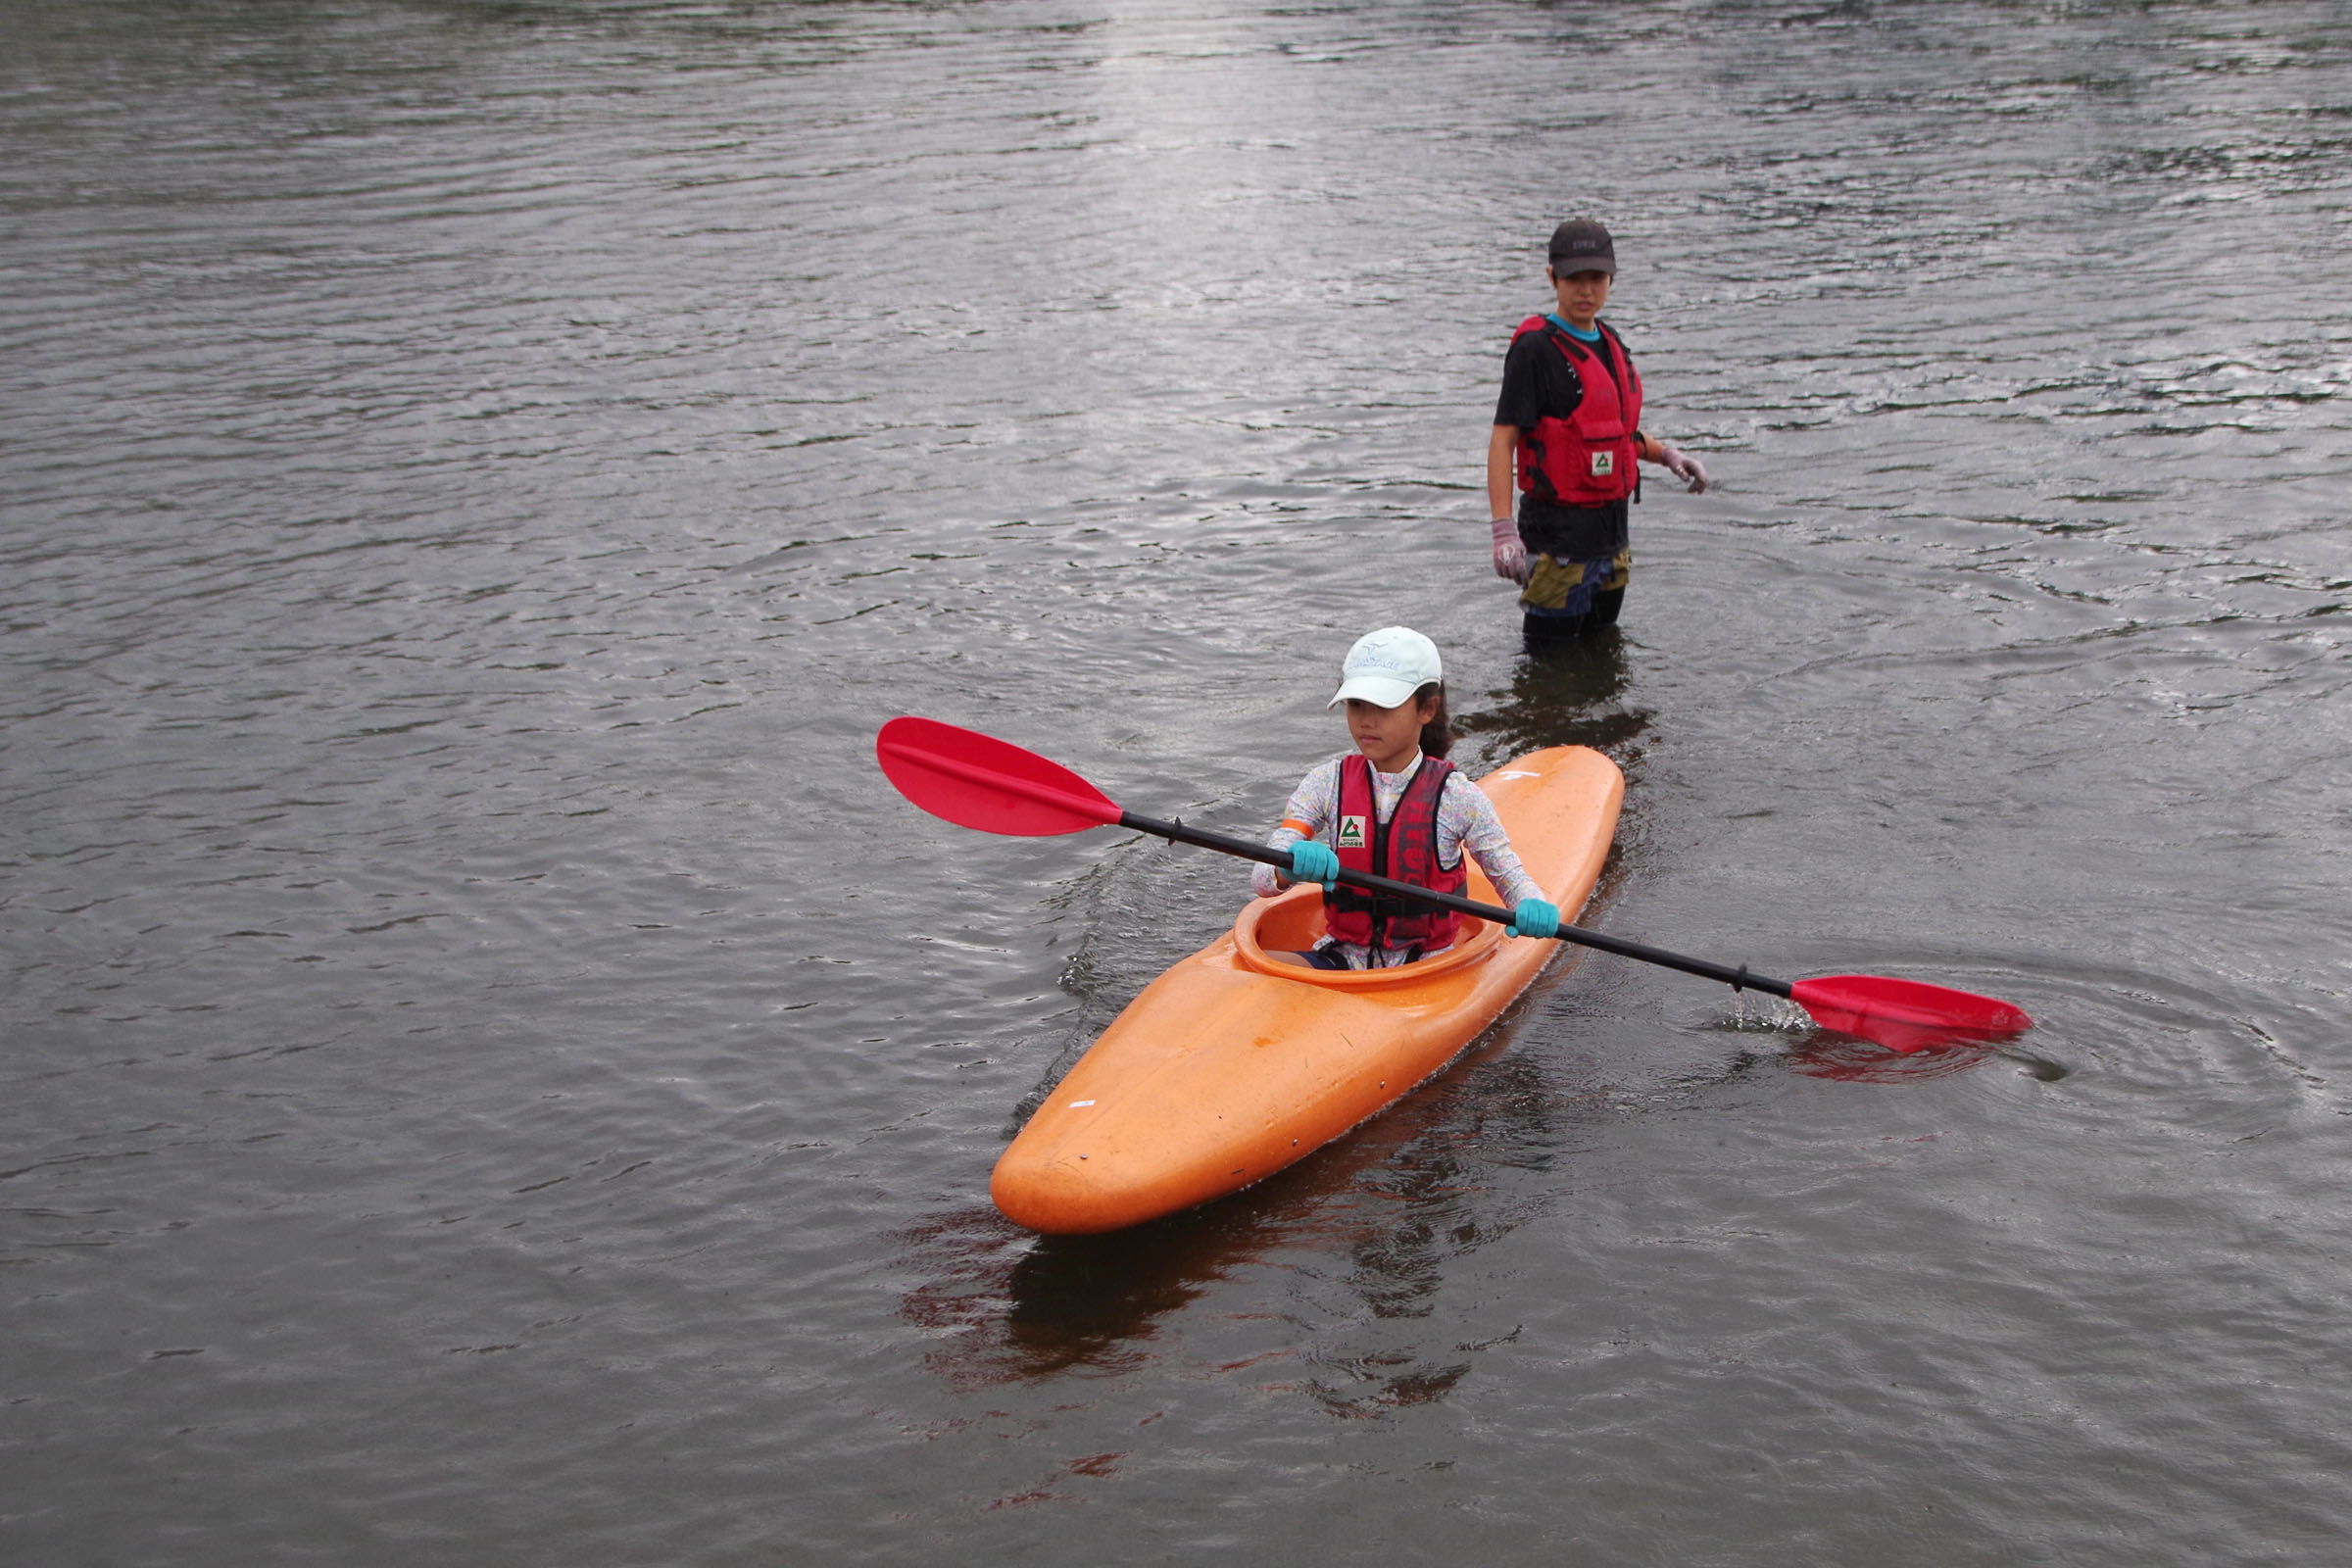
(1386, 667)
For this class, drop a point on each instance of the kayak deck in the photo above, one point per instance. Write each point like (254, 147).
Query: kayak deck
(1234, 1064)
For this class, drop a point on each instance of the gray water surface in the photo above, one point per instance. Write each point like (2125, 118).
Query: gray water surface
(493, 1076)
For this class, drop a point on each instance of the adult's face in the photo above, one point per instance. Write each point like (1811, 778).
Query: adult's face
(1581, 296)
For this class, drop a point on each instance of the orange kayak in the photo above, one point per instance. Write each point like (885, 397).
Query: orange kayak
(1234, 1065)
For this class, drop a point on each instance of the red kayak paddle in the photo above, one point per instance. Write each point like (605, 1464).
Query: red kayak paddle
(978, 782)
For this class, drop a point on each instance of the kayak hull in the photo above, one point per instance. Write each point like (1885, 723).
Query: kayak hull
(1234, 1065)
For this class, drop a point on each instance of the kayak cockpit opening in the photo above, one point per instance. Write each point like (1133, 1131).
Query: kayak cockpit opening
(1292, 922)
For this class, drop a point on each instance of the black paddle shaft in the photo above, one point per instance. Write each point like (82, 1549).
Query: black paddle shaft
(1741, 978)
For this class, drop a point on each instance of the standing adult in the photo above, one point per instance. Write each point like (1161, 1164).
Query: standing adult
(1568, 426)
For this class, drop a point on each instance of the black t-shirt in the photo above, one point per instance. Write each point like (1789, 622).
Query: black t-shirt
(1538, 380)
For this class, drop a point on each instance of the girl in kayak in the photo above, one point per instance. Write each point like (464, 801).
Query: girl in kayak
(1395, 807)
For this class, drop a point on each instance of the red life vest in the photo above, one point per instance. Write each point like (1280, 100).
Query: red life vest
(1403, 848)
(1588, 458)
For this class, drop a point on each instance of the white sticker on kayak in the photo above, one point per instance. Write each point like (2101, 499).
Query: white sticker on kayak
(1517, 772)
(1078, 1103)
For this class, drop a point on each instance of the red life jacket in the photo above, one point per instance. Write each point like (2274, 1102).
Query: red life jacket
(1403, 848)
(1588, 458)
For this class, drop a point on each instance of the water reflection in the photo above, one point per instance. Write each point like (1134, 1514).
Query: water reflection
(1822, 1054)
(1570, 694)
(1826, 1053)
(1016, 1307)
(1401, 1199)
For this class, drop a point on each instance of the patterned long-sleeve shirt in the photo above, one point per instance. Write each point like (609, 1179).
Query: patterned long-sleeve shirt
(1466, 821)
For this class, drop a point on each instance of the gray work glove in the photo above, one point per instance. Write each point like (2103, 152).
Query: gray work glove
(1683, 466)
(1510, 556)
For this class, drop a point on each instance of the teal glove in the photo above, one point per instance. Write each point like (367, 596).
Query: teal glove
(1316, 862)
(1534, 917)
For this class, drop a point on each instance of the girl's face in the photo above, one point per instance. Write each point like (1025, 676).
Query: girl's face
(1390, 737)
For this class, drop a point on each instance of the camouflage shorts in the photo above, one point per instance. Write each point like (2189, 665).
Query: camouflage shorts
(1556, 587)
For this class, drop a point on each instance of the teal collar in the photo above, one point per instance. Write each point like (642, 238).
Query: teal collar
(1575, 332)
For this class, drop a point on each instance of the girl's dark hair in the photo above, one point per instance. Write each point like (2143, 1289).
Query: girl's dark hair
(1437, 736)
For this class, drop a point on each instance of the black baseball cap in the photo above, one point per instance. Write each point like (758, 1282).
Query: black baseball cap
(1580, 245)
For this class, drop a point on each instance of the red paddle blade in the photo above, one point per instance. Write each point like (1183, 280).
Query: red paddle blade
(1906, 1016)
(975, 780)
